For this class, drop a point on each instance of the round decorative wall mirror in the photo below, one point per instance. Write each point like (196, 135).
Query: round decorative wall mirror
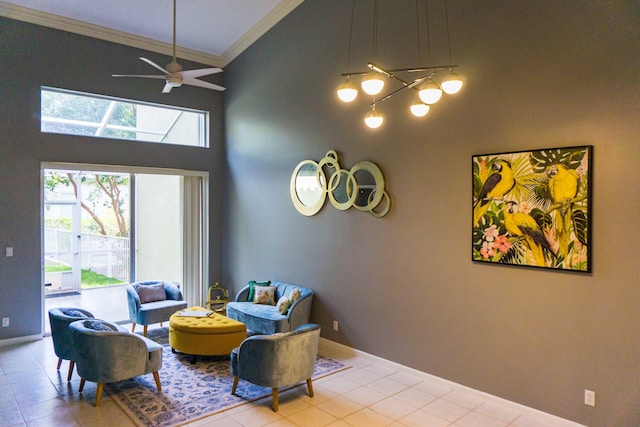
(308, 187)
(361, 187)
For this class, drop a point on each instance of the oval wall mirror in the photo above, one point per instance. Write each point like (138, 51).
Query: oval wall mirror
(308, 187)
(370, 184)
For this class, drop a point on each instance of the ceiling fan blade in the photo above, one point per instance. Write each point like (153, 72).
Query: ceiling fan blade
(192, 74)
(167, 88)
(200, 83)
(151, 76)
(153, 64)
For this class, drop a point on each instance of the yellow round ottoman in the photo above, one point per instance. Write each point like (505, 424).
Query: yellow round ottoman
(214, 335)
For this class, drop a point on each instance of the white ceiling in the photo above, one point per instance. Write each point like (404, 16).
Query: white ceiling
(212, 32)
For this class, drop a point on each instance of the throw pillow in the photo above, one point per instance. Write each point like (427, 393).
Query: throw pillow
(97, 326)
(283, 305)
(294, 295)
(73, 313)
(150, 293)
(265, 295)
(252, 285)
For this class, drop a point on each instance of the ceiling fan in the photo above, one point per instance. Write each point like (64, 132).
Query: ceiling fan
(173, 74)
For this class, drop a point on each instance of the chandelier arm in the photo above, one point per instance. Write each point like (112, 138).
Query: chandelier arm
(400, 70)
(397, 91)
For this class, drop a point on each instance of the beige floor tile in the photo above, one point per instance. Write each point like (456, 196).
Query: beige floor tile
(312, 417)
(421, 418)
(340, 407)
(369, 418)
(446, 410)
(393, 408)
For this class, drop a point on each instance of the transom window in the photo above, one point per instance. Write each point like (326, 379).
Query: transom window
(76, 113)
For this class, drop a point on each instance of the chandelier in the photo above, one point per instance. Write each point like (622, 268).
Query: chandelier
(425, 88)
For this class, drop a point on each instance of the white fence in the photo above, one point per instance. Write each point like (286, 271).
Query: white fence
(106, 255)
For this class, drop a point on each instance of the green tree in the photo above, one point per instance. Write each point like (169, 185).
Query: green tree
(106, 190)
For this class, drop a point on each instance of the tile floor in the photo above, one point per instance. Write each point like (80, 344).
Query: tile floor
(371, 393)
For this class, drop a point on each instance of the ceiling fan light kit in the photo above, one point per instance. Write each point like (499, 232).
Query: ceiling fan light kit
(174, 76)
(428, 91)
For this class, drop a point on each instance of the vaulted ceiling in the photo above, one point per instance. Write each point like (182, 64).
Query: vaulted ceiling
(211, 32)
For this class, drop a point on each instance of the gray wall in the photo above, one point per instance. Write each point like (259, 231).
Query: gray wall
(539, 74)
(33, 56)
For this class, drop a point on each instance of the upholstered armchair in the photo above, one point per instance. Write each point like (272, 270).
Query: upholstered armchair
(59, 319)
(107, 352)
(153, 302)
(277, 360)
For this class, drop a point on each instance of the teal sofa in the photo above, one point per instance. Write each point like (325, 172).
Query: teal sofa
(265, 318)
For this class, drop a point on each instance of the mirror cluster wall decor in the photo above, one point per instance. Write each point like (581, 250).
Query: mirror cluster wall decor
(362, 187)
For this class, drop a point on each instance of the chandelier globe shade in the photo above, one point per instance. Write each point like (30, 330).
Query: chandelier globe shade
(419, 109)
(451, 84)
(430, 92)
(373, 119)
(372, 83)
(347, 92)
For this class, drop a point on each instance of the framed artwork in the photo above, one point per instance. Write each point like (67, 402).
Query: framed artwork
(533, 208)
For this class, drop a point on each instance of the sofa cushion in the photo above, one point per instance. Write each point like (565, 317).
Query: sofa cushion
(283, 305)
(150, 293)
(252, 285)
(294, 295)
(264, 319)
(265, 295)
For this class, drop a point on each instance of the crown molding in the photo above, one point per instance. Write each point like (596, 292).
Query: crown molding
(96, 31)
(265, 24)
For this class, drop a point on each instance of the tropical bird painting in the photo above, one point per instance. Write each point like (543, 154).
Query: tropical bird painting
(563, 188)
(532, 208)
(522, 225)
(499, 183)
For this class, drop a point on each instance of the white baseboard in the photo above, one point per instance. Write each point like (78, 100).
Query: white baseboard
(346, 351)
(19, 340)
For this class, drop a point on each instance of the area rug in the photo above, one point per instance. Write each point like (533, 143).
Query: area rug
(191, 390)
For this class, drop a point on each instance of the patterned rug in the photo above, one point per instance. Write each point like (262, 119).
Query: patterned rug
(190, 390)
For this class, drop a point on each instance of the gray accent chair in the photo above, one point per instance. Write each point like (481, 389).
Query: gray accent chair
(153, 302)
(266, 319)
(107, 352)
(59, 319)
(277, 360)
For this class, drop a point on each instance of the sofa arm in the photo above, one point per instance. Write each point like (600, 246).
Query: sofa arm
(172, 291)
(243, 295)
(300, 311)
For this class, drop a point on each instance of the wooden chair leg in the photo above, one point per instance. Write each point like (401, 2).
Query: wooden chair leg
(59, 363)
(81, 385)
(144, 331)
(274, 392)
(310, 387)
(71, 365)
(133, 327)
(99, 393)
(157, 378)
(235, 385)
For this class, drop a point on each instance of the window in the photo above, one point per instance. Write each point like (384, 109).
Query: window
(76, 113)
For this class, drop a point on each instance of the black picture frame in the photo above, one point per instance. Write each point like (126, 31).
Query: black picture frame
(533, 208)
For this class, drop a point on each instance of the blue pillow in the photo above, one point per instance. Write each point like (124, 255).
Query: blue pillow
(97, 326)
(73, 313)
(252, 285)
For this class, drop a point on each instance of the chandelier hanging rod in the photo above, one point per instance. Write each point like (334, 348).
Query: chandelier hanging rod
(389, 73)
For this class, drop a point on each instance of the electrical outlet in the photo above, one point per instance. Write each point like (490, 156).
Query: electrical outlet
(5, 322)
(335, 325)
(590, 398)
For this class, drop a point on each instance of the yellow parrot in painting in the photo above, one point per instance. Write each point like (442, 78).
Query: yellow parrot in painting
(499, 183)
(563, 187)
(522, 225)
